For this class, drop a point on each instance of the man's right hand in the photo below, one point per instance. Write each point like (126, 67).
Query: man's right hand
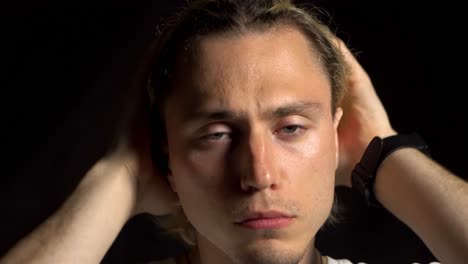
(153, 193)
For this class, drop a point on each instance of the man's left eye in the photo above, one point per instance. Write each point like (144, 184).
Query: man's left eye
(291, 130)
(217, 136)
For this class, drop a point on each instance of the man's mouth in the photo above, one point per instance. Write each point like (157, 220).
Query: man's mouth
(266, 220)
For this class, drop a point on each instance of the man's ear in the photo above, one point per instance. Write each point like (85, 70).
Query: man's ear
(337, 117)
(336, 121)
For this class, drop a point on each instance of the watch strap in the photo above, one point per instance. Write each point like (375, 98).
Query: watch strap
(364, 174)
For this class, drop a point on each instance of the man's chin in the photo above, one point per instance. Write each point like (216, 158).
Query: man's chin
(269, 251)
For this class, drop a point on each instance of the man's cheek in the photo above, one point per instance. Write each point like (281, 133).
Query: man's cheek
(316, 169)
(198, 178)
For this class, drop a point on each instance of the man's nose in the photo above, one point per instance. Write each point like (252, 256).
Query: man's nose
(259, 170)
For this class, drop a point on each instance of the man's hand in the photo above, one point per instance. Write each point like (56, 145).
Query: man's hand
(364, 117)
(153, 192)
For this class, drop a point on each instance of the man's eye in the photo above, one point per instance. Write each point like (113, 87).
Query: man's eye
(291, 130)
(217, 136)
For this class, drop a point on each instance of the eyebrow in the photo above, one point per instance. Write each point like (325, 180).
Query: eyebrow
(300, 107)
(293, 108)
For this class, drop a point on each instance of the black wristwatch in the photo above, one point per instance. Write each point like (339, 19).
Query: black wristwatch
(364, 173)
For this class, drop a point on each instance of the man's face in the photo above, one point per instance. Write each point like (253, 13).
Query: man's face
(251, 134)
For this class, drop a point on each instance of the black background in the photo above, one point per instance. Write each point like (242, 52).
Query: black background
(65, 67)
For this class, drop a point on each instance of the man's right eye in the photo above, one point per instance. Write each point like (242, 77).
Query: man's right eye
(218, 136)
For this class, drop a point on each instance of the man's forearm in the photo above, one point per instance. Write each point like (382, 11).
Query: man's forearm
(83, 229)
(429, 199)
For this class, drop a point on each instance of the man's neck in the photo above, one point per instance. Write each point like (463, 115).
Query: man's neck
(207, 253)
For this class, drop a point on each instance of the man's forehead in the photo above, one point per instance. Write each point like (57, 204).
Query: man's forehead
(262, 70)
(281, 46)
(269, 112)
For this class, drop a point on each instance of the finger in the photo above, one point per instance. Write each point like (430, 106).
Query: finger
(350, 59)
(356, 73)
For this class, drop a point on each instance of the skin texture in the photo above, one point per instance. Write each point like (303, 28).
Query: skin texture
(247, 136)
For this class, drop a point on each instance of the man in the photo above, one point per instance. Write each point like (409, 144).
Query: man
(249, 96)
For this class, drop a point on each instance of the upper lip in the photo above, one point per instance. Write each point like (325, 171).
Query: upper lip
(263, 215)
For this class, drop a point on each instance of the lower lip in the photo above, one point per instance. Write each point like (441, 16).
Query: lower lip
(265, 223)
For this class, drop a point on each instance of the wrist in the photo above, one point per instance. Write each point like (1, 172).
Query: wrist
(114, 175)
(383, 133)
(363, 144)
(385, 179)
(365, 172)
